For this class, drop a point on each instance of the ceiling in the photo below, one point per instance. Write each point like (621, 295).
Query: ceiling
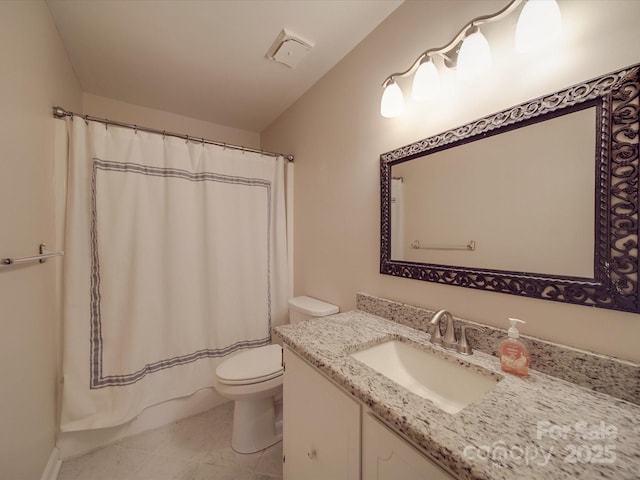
(206, 59)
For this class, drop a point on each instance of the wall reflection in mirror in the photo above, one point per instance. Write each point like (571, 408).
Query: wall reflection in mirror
(525, 197)
(538, 200)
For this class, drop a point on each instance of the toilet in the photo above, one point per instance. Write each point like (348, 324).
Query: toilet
(253, 380)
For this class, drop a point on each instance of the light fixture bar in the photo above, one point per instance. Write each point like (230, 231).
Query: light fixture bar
(445, 50)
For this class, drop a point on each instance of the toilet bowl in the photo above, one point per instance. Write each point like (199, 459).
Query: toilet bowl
(253, 380)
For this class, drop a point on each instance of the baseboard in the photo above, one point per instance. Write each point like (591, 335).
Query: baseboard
(53, 466)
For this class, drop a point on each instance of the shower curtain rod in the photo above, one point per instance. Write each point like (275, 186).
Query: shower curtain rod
(60, 112)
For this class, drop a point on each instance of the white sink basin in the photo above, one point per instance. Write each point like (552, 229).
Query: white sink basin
(448, 385)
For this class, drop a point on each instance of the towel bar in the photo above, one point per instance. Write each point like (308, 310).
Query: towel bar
(41, 257)
(470, 246)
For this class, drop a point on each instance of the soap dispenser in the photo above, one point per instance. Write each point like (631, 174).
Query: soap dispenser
(514, 357)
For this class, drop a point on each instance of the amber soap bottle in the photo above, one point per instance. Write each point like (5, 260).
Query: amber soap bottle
(513, 353)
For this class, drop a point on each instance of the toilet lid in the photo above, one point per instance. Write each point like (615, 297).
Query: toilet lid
(251, 366)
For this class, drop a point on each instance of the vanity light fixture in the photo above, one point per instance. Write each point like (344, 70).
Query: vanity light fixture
(538, 25)
(392, 104)
(426, 82)
(474, 57)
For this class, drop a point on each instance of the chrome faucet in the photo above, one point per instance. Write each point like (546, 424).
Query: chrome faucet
(449, 340)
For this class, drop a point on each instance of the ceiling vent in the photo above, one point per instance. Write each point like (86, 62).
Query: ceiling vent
(288, 49)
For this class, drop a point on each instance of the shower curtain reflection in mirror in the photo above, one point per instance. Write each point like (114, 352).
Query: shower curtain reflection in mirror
(397, 219)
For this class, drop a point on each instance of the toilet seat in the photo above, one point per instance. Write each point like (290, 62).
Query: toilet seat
(251, 366)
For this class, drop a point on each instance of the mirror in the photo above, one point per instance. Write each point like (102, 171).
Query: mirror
(538, 200)
(524, 198)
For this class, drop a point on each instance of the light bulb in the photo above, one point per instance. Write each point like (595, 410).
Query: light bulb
(426, 82)
(474, 58)
(539, 25)
(392, 104)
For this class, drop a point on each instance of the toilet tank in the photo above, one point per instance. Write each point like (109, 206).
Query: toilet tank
(306, 308)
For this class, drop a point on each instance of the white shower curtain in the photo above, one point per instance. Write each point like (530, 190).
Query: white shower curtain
(175, 257)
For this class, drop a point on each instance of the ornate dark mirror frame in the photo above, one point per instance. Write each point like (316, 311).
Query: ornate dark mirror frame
(615, 281)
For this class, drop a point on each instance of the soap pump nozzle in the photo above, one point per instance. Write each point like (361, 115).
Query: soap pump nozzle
(513, 331)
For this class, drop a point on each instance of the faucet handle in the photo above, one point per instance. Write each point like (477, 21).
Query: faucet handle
(464, 346)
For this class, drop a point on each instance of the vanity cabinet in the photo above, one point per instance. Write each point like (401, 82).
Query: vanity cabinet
(321, 426)
(385, 456)
(329, 435)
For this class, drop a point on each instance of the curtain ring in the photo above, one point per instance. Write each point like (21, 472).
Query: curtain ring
(224, 146)
(86, 119)
(164, 132)
(135, 129)
(203, 141)
(187, 141)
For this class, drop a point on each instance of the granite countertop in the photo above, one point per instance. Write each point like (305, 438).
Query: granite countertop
(531, 428)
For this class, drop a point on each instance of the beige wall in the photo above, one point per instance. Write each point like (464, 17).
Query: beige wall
(336, 133)
(36, 74)
(171, 122)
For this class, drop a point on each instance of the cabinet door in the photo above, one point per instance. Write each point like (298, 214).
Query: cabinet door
(321, 426)
(385, 456)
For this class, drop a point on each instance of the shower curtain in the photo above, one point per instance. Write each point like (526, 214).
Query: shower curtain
(175, 256)
(397, 219)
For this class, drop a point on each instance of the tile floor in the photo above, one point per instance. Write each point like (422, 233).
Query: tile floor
(197, 448)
